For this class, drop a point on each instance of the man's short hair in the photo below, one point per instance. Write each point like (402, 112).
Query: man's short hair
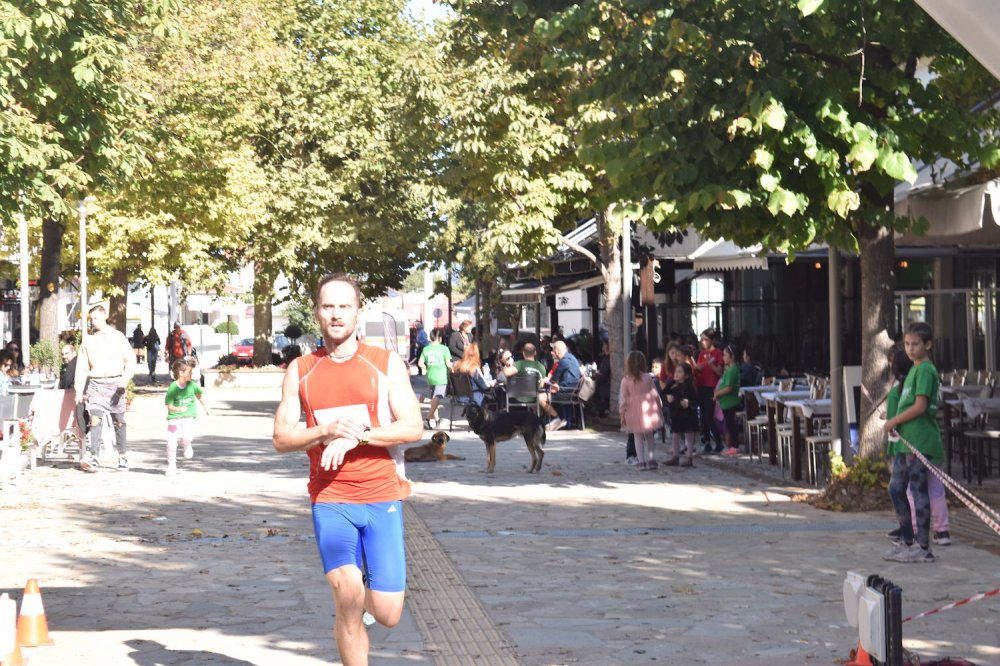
(100, 307)
(528, 349)
(337, 277)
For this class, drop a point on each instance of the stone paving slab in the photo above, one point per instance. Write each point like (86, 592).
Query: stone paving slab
(588, 562)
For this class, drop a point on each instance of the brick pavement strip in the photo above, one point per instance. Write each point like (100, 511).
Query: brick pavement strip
(456, 628)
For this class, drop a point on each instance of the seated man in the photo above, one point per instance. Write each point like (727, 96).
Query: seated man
(528, 365)
(563, 383)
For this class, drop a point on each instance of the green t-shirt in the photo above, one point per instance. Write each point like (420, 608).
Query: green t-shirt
(436, 357)
(526, 367)
(730, 378)
(183, 397)
(922, 432)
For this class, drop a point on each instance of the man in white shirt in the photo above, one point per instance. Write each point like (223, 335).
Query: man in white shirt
(103, 370)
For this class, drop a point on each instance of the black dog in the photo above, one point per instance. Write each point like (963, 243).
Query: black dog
(501, 426)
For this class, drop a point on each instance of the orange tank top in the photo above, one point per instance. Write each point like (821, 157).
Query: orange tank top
(357, 386)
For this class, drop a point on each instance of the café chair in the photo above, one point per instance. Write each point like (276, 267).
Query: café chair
(459, 393)
(522, 392)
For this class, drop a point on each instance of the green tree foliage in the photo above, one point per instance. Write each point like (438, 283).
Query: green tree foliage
(189, 215)
(770, 123)
(347, 186)
(512, 154)
(67, 120)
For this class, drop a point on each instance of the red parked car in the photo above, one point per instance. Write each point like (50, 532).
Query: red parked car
(243, 351)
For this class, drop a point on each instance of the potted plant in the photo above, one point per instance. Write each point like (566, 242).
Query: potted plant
(27, 444)
(45, 357)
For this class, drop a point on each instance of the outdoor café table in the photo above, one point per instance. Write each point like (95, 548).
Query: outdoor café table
(758, 391)
(973, 407)
(964, 391)
(775, 406)
(809, 409)
(23, 394)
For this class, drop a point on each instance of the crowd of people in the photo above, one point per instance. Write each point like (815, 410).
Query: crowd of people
(553, 363)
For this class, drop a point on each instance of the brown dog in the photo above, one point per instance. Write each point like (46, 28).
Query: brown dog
(432, 452)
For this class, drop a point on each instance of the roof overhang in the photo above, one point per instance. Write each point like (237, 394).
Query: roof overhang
(966, 216)
(724, 255)
(969, 23)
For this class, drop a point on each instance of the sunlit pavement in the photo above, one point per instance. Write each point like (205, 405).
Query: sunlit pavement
(589, 561)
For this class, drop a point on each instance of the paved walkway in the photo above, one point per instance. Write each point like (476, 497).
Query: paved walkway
(588, 562)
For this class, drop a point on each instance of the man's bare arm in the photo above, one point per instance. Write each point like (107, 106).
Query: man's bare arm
(408, 425)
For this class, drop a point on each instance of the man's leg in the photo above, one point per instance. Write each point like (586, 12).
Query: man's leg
(349, 601)
(118, 421)
(96, 431)
(384, 562)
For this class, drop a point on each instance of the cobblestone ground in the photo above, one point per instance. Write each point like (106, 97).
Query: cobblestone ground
(588, 562)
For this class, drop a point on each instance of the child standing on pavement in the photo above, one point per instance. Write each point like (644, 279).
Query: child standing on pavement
(727, 394)
(181, 412)
(901, 365)
(682, 397)
(915, 422)
(640, 408)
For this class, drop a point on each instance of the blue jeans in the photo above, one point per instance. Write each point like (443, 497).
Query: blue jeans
(909, 472)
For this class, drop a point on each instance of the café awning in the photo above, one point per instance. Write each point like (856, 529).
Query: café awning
(966, 215)
(725, 255)
(973, 23)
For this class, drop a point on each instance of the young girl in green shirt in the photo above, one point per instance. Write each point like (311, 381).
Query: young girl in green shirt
(727, 394)
(915, 421)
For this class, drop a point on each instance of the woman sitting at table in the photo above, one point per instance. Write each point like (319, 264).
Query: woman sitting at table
(17, 361)
(6, 366)
(470, 365)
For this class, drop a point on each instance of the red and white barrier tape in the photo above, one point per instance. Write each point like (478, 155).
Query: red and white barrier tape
(977, 597)
(970, 501)
(967, 497)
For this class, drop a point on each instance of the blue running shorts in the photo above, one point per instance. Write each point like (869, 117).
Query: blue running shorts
(369, 536)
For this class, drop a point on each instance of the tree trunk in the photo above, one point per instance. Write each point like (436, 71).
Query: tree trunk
(48, 281)
(263, 287)
(117, 311)
(877, 314)
(608, 239)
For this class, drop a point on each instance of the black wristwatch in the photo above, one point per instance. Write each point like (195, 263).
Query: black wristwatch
(364, 436)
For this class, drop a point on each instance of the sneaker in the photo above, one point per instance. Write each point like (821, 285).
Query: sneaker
(171, 470)
(942, 538)
(914, 554)
(188, 451)
(122, 464)
(631, 460)
(642, 467)
(89, 464)
(707, 449)
(731, 451)
(652, 464)
(367, 619)
(555, 424)
(718, 449)
(893, 553)
(687, 462)
(896, 535)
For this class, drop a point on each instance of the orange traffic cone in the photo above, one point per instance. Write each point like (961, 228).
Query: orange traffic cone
(32, 628)
(10, 651)
(859, 657)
